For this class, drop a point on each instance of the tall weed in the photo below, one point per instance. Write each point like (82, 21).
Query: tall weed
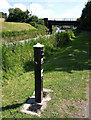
(19, 58)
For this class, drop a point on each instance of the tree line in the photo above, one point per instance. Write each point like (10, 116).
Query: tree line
(17, 15)
(85, 19)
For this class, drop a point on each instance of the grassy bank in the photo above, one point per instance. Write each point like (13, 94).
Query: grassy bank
(14, 26)
(65, 71)
(12, 31)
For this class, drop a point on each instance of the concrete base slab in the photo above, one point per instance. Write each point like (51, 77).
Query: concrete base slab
(34, 108)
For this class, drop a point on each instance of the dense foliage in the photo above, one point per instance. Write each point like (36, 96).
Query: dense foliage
(18, 58)
(17, 15)
(86, 17)
(34, 21)
(63, 38)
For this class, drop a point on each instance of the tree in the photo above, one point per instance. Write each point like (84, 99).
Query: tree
(40, 21)
(17, 15)
(33, 18)
(25, 16)
(2, 15)
(34, 21)
(86, 17)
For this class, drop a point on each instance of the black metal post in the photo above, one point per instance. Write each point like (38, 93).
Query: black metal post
(38, 60)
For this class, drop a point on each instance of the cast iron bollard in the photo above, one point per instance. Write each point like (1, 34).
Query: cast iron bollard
(38, 60)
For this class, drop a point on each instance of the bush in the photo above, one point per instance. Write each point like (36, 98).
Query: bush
(62, 38)
(40, 21)
(33, 18)
(34, 24)
(42, 28)
(71, 34)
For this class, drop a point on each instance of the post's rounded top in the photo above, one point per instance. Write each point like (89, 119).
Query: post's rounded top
(38, 45)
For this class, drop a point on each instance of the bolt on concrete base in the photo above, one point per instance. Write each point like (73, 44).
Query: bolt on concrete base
(34, 108)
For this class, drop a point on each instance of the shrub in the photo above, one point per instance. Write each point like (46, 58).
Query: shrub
(40, 21)
(34, 24)
(71, 34)
(42, 28)
(62, 38)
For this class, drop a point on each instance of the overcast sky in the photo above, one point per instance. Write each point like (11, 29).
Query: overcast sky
(47, 8)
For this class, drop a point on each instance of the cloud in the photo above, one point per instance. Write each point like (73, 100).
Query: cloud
(28, 1)
(51, 5)
(37, 9)
(4, 5)
(21, 6)
(74, 12)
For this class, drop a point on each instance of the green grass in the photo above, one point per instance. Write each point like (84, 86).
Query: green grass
(65, 71)
(14, 26)
(14, 31)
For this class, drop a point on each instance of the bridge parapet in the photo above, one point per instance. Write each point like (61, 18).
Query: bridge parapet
(63, 19)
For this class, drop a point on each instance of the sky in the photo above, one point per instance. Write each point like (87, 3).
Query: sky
(50, 9)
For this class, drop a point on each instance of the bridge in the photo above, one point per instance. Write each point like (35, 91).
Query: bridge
(60, 22)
